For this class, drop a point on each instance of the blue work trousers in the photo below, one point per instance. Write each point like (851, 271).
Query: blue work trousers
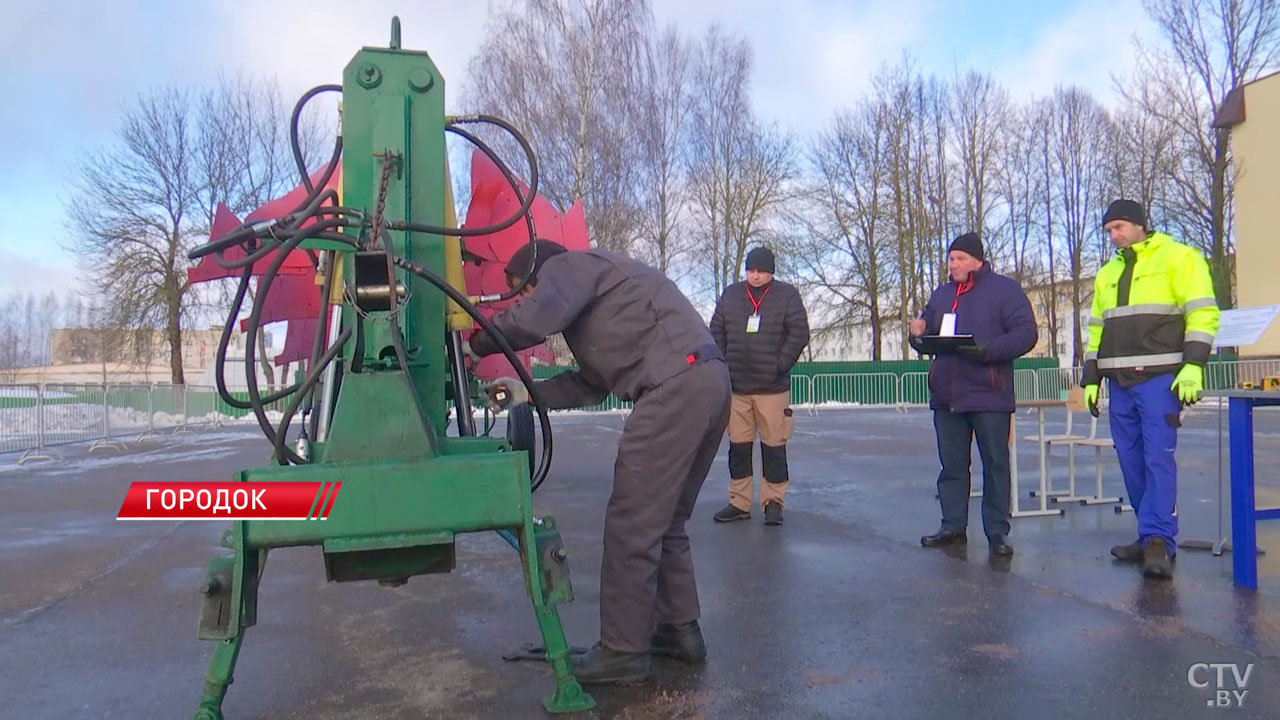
(1144, 425)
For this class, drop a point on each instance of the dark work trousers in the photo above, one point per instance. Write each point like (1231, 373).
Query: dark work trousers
(667, 447)
(955, 435)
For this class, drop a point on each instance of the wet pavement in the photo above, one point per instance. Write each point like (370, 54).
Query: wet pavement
(839, 613)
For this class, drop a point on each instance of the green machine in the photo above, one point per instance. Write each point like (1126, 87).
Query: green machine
(383, 378)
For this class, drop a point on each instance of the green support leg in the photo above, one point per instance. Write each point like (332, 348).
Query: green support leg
(219, 677)
(569, 696)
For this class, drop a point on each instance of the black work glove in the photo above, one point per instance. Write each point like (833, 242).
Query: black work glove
(977, 351)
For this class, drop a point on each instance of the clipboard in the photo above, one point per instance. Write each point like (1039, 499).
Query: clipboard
(943, 344)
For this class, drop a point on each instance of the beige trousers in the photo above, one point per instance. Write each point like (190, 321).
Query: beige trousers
(770, 417)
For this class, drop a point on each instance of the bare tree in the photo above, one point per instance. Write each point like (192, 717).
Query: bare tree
(740, 169)
(978, 106)
(1214, 46)
(244, 158)
(135, 212)
(663, 119)
(563, 72)
(1020, 184)
(1078, 131)
(139, 206)
(850, 237)
(937, 125)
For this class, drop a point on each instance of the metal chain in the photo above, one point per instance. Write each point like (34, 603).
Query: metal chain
(375, 228)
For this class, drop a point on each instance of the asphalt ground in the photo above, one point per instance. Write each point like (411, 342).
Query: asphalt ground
(839, 613)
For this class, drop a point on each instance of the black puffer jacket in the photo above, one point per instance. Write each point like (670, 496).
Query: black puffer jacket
(761, 362)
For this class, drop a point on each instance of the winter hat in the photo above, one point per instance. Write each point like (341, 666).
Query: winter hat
(1126, 210)
(518, 265)
(969, 243)
(761, 259)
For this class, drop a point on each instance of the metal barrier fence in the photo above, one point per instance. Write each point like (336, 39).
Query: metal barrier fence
(855, 388)
(20, 424)
(34, 418)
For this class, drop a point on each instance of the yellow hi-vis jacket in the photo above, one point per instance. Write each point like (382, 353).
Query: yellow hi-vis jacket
(1153, 311)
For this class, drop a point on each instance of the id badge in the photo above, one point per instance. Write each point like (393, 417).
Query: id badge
(753, 324)
(948, 325)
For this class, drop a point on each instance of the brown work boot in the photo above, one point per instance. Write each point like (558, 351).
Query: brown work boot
(1157, 561)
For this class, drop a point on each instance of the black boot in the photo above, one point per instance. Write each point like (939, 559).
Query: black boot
(1157, 561)
(773, 513)
(680, 642)
(999, 545)
(944, 537)
(605, 666)
(1131, 553)
(731, 513)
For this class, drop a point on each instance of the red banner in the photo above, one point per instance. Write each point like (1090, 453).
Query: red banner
(229, 501)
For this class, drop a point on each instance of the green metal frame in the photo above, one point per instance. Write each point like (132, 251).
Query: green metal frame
(407, 489)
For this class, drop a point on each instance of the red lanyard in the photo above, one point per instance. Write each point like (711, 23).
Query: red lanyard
(755, 304)
(960, 291)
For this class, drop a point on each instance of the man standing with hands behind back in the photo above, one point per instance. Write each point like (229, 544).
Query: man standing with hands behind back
(761, 328)
(971, 391)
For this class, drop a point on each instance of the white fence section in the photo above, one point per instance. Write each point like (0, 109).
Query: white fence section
(20, 424)
(35, 418)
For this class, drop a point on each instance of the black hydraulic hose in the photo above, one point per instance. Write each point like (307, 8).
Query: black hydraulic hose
(268, 248)
(297, 146)
(515, 187)
(308, 383)
(284, 455)
(515, 217)
(251, 374)
(322, 333)
(544, 464)
(394, 312)
(220, 360)
(286, 223)
(461, 394)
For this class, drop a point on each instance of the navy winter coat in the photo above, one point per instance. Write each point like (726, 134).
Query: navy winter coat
(996, 311)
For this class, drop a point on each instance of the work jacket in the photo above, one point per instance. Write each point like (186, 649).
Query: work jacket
(760, 360)
(993, 309)
(1153, 311)
(629, 327)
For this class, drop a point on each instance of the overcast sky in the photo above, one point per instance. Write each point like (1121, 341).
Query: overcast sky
(67, 67)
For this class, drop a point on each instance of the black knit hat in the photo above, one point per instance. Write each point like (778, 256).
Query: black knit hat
(969, 243)
(1126, 210)
(518, 265)
(761, 259)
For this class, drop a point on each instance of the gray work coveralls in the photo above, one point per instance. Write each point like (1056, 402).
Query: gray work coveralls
(633, 333)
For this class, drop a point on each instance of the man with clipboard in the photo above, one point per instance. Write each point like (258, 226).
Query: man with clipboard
(975, 325)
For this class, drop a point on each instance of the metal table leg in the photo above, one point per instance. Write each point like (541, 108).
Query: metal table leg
(1044, 510)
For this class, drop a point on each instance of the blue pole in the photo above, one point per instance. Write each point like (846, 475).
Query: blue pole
(1244, 548)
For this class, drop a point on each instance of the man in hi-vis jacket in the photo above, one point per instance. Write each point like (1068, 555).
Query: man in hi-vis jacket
(1150, 334)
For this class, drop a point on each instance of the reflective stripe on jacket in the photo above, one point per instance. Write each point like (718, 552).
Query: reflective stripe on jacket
(1153, 311)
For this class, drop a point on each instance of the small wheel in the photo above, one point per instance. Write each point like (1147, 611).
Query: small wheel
(520, 432)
